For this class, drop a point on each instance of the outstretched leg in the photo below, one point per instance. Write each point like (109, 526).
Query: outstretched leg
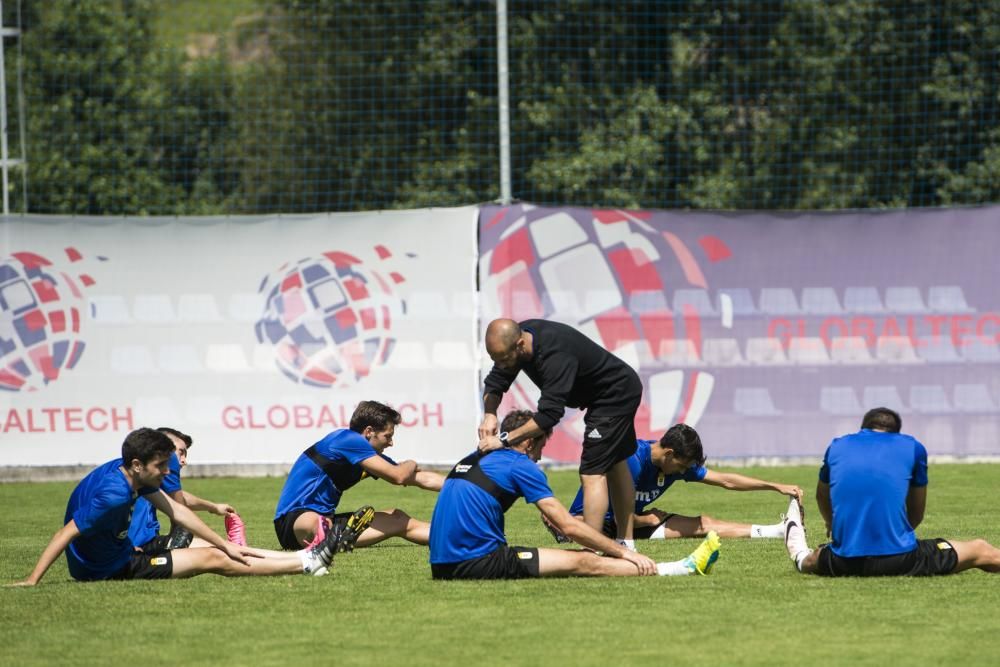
(976, 553)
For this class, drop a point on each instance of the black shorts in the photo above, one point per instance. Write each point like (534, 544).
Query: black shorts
(155, 546)
(284, 527)
(610, 528)
(930, 558)
(606, 441)
(146, 566)
(505, 563)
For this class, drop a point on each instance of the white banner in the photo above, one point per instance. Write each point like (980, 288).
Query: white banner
(255, 335)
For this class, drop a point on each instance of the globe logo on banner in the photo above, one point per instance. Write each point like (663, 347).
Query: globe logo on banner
(637, 289)
(329, 318)
(42, 307)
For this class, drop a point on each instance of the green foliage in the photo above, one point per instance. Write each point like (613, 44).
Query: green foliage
(380, 606)
(293, 105)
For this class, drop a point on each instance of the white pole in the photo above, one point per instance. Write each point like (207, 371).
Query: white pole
(3, 113)
(503, 98)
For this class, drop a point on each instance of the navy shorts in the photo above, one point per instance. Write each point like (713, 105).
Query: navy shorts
(610, 528)
(146, 566)
(284, 527)
(505, 563)
(606, 441)
(930, 558)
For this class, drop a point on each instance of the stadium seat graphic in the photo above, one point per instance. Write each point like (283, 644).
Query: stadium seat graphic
(722, 352)
(929, 399)
(863, 300)
(896, 350)
(937, 350)
(754, 402)
(765, 351)
(850, 350)
(778, 301)
(820, 301)
(808, 351)
(882, 396)
(904, 300)
(973, 398)
(839, 401)
(948, 299)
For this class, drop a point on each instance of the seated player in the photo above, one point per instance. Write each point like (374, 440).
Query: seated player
(467, 527)
(872, 492)
(144, 531)
(308, 502)
(95, 534)
(678, 455)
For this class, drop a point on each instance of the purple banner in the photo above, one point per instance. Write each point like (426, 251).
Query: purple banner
(769, 332)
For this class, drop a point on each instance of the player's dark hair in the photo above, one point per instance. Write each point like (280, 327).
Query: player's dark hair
(183, 437)
(518, 418)
(685, 442)
(372, 413)
(146, 444)
(882, 419)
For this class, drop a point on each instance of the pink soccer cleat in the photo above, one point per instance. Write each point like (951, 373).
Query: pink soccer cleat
(235, 529)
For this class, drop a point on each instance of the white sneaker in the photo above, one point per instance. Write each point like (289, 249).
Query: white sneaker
(795, 531)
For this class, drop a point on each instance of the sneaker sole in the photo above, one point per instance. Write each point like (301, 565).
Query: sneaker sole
(357, 523)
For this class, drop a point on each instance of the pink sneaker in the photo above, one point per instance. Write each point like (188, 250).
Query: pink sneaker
(235, 530)
(320, 533)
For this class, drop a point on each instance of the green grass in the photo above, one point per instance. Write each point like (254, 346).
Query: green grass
(179, 20)
(380, 605)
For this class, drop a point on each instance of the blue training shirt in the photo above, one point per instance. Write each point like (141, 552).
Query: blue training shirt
(467, 521)
(650, 481)
(308, 487)
(101, 506)
(870, 474)
(145, 525)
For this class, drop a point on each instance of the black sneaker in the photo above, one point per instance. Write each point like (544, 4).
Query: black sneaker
(179, 538)
(560, 538)
(319, 557)
(356, 524)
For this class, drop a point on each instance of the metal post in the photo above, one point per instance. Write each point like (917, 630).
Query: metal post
(5, 161)
(503, 97)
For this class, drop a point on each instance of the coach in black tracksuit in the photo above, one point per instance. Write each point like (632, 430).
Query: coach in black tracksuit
(570, 370)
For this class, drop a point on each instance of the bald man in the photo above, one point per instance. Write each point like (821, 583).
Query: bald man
(572, 371)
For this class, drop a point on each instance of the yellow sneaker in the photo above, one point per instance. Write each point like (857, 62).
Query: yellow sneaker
(356, 524)
(703, 558)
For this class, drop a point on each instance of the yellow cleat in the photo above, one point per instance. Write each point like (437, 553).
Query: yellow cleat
(703, 558)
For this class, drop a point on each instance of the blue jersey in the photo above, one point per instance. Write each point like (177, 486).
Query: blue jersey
(650, 481)
(145, 525)
(467, 521)
(101, 506)
(870, 474)
(309, 487)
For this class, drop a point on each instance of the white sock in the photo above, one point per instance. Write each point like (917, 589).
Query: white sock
(660, 533)
(775, 530)
(628, 544)
(677, 568)
(799, 557)
(306, 561)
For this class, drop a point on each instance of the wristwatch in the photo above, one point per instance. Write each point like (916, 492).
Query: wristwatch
(503, 437)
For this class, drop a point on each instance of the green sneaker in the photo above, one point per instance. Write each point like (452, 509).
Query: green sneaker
(703, 558)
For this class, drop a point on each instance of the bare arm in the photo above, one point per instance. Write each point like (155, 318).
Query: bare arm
(528, 429)
(736, 482)
(403, 473)
(56, 546)
(427, 480)
(180, 514)
(825, 507)
(197, 504)
(584, 535)
(916, 503)
(488, 426)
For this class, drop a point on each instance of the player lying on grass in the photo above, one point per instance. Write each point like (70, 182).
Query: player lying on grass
(467, 527)
(95, 535)
(144, 531)
(308, 503)
(872, 492)
(655, 466)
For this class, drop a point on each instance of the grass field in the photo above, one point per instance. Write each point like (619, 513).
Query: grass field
(380, 606)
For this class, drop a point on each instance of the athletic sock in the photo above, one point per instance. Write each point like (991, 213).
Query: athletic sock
(775, 530)
(660, 533)
(677, 568)
(628, 544)
(799, 557)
